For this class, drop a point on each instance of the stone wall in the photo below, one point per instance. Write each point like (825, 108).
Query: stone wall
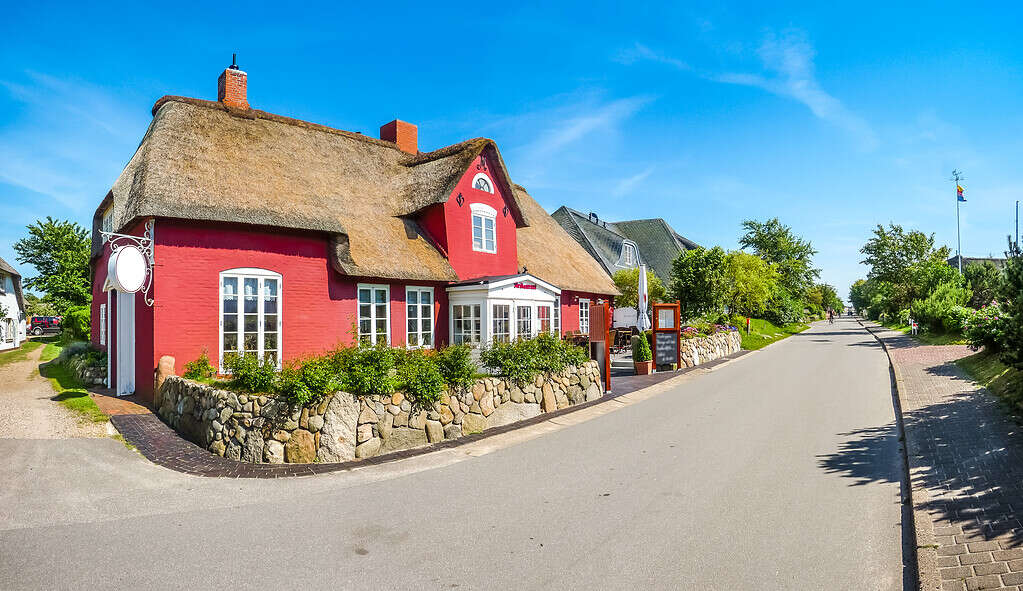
(702, 350)
(344, 427)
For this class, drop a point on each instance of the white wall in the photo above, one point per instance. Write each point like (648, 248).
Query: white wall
(10, 301)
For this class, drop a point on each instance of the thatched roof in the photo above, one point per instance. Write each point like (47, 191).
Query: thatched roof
(548, 252)
(202, 160)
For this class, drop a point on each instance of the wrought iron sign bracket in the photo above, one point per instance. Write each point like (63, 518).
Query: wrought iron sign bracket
(145, 245)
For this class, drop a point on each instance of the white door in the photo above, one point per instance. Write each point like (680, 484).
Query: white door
(125, 343)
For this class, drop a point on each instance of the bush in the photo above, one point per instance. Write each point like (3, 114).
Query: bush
(321, 376)
(419, 377)
(75, 324)
(200, 369)
(943, 309)
(292, 387)
(984, 328)
(525, 358)
(456, 366)
(641, 349)
(368, 369)
(79, 356)
(251, 374)
(904, 317)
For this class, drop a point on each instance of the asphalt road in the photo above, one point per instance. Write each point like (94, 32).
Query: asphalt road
(779, 470)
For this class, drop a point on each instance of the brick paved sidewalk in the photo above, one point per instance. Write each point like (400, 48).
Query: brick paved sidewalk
(966, 465)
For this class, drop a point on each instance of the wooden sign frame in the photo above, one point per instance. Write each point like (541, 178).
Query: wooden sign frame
(667, 328)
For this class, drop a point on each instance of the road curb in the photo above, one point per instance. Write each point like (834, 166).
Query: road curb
(924, 547)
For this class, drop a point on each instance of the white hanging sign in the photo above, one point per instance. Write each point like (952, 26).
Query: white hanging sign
(127, 269)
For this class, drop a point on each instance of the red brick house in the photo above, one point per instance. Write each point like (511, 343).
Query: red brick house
(283, 238)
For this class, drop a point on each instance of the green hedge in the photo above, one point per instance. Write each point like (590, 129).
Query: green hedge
(523, 359)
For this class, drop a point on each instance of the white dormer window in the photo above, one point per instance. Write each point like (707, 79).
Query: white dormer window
(484, 228)
(107, 221)
(482, 182)
(629, 257)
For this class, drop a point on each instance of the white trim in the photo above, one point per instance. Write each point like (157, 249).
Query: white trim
(109, 337)
(125, 343)
(485, 213)
(483, 208)
(483, 175)
(419, 318)
(372, 310)
(587, 300)
(483, 335)
(506, 282)
(241, 274)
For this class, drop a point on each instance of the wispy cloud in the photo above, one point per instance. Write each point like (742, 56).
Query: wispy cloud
(627, 185)
(788, 61)
(640, 53)
(600, 118)
(69, 139)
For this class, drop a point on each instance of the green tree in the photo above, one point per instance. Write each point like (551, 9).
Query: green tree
(749, 282)
(627, 282)
(859, 294)
(59, 251)
(36, 306)
(984, 279)
(791, 255)
(1010, 296)
(829, 298)
(697, 281)
(892, 251)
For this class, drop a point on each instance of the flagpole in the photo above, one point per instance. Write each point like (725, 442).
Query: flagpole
(956, 177)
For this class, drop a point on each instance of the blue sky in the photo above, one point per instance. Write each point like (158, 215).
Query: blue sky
(833, 119)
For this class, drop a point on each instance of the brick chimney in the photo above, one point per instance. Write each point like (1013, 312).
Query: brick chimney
(232, 86)
(401, 133)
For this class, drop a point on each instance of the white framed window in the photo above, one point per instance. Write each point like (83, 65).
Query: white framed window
(8, 332)
(629, 257)
(524, 321)
(484, 228)
(374, 316)
(557, 315)
(584, 316)
(107, 221)
(501, 315)
(102, 324)
(543, 318)
(482, 182)
(419, 317)
(250, 313)
(465, 324)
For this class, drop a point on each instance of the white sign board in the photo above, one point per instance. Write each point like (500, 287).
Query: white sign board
(126, 269)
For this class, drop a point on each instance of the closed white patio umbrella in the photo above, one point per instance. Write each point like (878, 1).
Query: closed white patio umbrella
(642, 301)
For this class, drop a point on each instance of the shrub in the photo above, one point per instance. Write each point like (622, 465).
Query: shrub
(456, 366)
(690, 332)
(641, 349)
(79, 356)
(419, 377)
(321, 376)
(75, 324)
(904, 317)
(251, 374)
(201, 368)
(984, 328)
(942, 309)
(525, 358)
(291, 386)
(368, 369)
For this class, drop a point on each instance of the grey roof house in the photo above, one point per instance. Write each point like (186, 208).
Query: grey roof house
(626, 244)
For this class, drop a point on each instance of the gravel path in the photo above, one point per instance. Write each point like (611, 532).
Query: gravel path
(27, 408)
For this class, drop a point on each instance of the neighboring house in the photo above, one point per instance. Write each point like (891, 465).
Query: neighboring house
(12, 300)
(967, 261)
(626, 244)
(283, 238)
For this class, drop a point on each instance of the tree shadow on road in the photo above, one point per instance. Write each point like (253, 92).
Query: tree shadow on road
(868, 455)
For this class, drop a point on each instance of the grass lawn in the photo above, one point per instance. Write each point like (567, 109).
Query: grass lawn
(763, 333)
(70, 391)
(987, 369)
(930, 338)
(19, 354)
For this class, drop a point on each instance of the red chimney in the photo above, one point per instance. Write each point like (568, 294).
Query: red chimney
(232, 86)
(401, 133)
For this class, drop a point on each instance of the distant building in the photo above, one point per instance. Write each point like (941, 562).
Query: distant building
(967, 261)
(12, 300)
(626, 244)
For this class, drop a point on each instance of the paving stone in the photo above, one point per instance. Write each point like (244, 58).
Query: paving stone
(979, 558)
(959, 572)
(993, 568)
(985, 582)
(1013, 579)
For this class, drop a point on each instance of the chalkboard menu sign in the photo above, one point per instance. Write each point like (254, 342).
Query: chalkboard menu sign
(666, 348)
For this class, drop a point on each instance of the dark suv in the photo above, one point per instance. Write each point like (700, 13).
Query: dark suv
(40, 325)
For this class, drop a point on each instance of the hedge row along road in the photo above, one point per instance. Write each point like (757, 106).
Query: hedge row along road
(779, 470)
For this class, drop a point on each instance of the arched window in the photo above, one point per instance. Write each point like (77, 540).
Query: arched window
(250, 313)
(482, 182)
